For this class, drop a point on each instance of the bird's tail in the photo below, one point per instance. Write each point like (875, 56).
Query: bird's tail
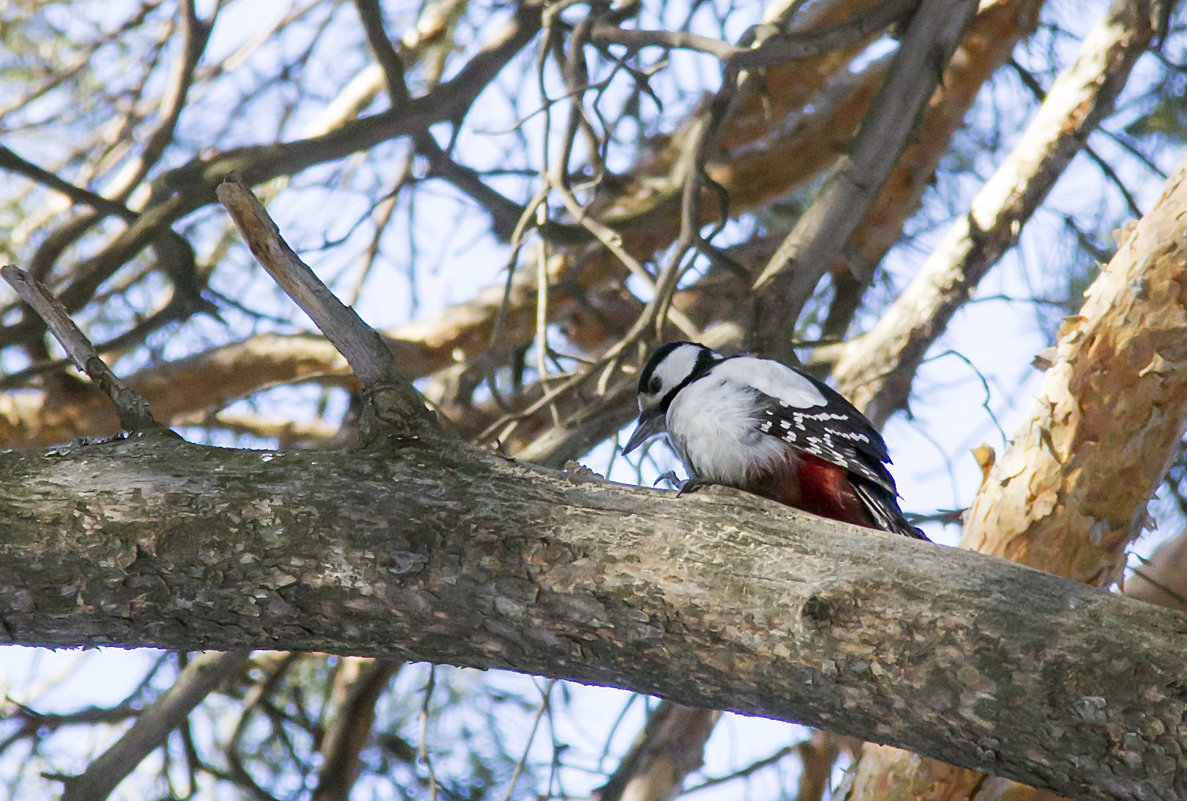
(884, 509)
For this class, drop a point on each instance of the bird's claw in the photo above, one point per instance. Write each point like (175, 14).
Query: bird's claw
(692, 485)
(670, 477)
(685, 486)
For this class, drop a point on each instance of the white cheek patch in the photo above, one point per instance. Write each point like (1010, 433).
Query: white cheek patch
(676, 366)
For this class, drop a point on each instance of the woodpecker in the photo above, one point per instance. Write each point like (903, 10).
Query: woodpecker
(769, 429)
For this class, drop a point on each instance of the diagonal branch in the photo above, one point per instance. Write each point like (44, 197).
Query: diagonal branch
(876, 369)
(131, 407)
(396, 401)
(200, 677)
(360, 683)
(821, 232)
(671, 746)
(389, 60)
(777, 48)
(716, 600)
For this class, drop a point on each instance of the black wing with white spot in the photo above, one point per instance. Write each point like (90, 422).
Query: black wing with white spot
(834, 431)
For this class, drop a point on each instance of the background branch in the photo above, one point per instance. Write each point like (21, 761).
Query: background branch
(202, 676)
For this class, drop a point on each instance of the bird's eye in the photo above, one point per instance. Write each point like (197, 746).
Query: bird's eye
(654, 385)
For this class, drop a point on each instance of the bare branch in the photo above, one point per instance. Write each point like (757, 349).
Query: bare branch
(876, 369)
(713, 600)
(371, 15)
(201, 677)
(362, 681)
(1162, 579)
(191, 186)
(365, 350)
(822, 231)
(195, 36)
(132, 409)
(771, 47)
(671, 746)
(793, 45)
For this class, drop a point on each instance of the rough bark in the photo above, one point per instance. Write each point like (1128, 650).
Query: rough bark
(889, 773)
(433, 553)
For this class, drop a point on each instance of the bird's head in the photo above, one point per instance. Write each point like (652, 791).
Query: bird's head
(668, 370)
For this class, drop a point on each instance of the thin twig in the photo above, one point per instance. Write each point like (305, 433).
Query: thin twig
(741, 773)
(255, 698)
(131, 407)
(423, 750)
(545, 705)
(778, 48)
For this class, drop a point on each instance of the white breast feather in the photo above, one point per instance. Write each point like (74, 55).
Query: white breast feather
(713, 428)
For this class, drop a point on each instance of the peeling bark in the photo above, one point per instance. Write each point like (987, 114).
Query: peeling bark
(1071, 492)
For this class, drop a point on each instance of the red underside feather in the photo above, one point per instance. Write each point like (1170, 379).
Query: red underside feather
(809, 483)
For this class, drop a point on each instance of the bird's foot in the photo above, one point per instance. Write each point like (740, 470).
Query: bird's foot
(686, 486)
(694, 484)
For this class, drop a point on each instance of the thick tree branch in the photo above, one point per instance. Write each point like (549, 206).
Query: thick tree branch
(715, 600)
(1070, 493)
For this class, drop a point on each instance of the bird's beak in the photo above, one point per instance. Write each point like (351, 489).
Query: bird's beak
(651, 422)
